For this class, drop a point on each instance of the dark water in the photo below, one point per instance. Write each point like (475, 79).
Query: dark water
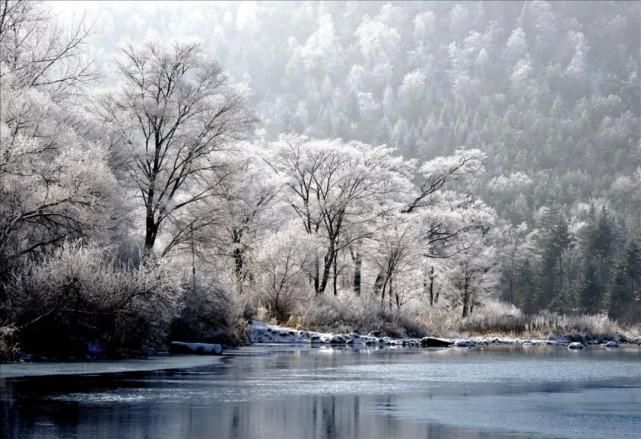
(324, 393)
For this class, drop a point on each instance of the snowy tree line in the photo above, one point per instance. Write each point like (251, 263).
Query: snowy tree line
(177, 201)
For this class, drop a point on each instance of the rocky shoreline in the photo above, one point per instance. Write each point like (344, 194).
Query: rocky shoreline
(263, 333)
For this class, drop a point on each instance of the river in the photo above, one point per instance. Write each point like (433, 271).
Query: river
(301, 392)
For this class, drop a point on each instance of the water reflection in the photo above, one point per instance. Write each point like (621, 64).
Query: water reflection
(303, 393)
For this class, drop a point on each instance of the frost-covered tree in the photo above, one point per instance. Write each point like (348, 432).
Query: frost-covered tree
(473, 275)
(54, 181)
(282, 265)
(174, 111)
(244, 213)
(335, 186)
(39, 53)
(397, 254)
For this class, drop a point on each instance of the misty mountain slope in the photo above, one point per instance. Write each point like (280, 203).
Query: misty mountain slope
(536, 86)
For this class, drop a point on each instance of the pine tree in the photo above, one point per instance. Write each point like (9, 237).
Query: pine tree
(525, 287)
(598, 252)
(624, 298)
(553, 242)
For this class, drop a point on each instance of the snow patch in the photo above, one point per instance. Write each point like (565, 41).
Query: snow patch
(261, 332)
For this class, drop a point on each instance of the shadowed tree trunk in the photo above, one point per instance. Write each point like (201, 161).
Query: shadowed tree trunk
(356, 281)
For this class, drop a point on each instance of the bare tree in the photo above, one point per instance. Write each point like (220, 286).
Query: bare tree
(37, 52)
(397, 249)
(174, 112)
(281, 267)
(439, 171)
(336, 187)
(244, 215)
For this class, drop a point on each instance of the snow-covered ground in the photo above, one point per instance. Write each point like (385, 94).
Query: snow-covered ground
(260, 332)
(263, 333)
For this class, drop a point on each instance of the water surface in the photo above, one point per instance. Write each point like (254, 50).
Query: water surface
(286, 392)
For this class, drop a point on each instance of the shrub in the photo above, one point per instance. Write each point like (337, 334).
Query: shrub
(348, 312)
(8, 343)
(494, 317)
(79, 300)
(208, 315)
(552, 324)
(282, 264)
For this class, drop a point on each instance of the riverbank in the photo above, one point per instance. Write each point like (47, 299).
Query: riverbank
(263, 333)
(294, 343)
(549, 329)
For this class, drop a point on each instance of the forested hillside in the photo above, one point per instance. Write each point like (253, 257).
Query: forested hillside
(397, 165)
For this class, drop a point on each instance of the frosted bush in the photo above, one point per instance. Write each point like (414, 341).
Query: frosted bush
(78, 294)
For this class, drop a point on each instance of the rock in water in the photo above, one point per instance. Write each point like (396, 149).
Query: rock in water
(337, 339)
(464, 344)
(575, 345)
(433, 342)
(612, 344)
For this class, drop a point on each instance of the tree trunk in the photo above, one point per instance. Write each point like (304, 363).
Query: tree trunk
(431, 286)
(151, 231)
(356, 282)
(390, 293)
(316, 275)
(561, 273)
(378, 286)
(335, 274)
(466, 298)
(328, 260)
(239, 260)
(396, 296)
(151, 225)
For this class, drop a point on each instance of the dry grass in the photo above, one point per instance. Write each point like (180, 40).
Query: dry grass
(347, 313)
(494, 320)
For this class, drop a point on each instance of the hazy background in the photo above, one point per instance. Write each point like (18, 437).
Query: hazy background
(551, 91)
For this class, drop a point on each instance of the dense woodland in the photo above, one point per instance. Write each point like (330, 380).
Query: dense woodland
(405, 167)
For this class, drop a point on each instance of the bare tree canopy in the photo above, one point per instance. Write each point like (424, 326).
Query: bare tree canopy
(174, 111)
(38, 52)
